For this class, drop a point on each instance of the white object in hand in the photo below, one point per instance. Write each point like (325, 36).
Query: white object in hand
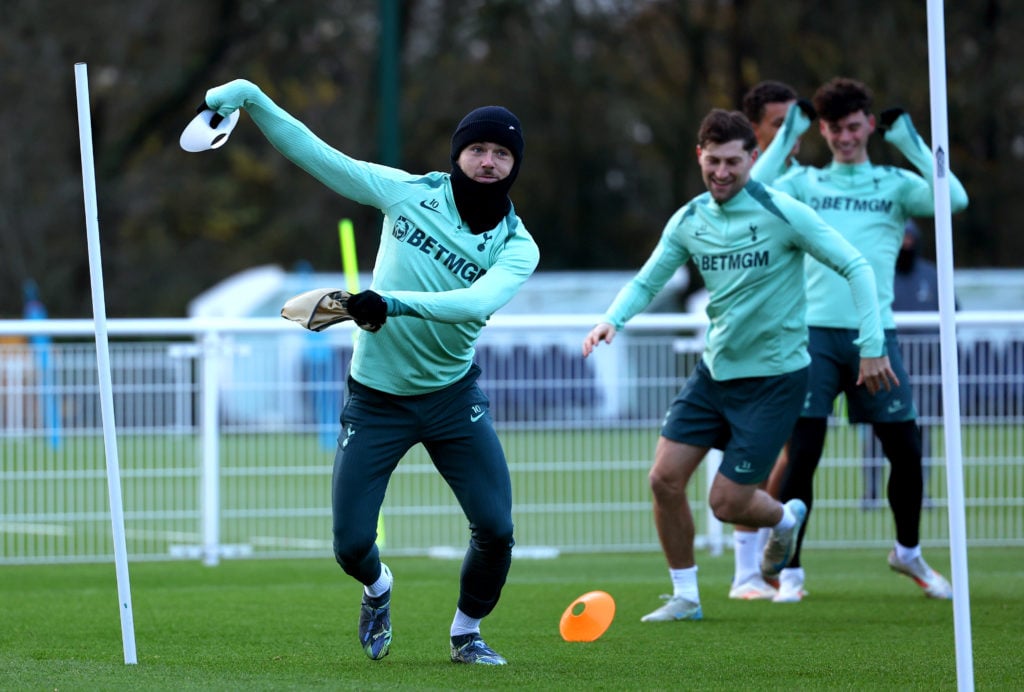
(200, 135)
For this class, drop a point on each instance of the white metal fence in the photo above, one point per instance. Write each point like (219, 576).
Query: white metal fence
(226, 437)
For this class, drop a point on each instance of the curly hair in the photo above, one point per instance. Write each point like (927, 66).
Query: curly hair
(841, 96)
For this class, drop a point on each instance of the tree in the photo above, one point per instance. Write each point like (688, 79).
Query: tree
(610, 93)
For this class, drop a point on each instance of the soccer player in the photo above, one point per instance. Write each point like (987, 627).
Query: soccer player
(869, 205)
(765, 105)
(748, 242)
(452, 252)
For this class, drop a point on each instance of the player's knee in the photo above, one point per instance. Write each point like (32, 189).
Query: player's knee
(664, 487)
(351, 552)
(494, 541)
(726, 508)
(901, 442)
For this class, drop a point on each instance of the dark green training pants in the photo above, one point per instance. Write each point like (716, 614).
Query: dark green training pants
(455, 426)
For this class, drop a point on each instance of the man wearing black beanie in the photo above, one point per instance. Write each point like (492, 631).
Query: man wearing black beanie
(452, 252)
(483, 202)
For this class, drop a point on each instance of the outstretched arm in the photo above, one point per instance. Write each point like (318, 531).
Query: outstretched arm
(359, 181)
(898, 130)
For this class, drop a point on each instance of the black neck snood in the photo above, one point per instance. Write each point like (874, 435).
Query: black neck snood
(481, 205)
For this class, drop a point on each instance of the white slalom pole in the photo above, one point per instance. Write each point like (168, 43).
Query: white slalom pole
(124, 594)
(947, 335)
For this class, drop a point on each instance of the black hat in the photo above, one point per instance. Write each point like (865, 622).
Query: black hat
(489, 124)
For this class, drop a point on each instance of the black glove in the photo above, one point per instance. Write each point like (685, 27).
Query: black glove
(887, 117)
(808, 108)
(367, 308)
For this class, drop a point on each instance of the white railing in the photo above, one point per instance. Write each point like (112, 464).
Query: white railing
(226, 434)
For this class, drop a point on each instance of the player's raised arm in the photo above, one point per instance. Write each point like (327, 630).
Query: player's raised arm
(898, 129)
(772, 162)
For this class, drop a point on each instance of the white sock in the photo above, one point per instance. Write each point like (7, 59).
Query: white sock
(746, 556)
(792, 576)
(463, 624)
(763, 534)
(684, 583)
(787, 521)
(381, 586)
(905, 554)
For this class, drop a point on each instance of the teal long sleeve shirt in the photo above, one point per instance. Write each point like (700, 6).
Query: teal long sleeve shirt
(750, 252)
(440, 281)
(868, 204)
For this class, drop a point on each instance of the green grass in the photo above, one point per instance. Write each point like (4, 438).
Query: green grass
(290, 624)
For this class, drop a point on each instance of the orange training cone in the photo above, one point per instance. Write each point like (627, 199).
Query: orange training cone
(587, 617)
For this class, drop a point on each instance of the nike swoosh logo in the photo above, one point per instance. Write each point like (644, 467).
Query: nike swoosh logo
(425, 205)
(474, 417)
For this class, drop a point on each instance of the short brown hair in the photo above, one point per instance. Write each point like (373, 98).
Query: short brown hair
(763, 93)
(721, 126)
(841, 96)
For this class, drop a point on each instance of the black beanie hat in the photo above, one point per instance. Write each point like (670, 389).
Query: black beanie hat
(489, 124)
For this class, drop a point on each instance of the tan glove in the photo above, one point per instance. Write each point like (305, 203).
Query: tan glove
(318, 309)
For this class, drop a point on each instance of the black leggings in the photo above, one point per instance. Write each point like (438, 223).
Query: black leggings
(901, 443)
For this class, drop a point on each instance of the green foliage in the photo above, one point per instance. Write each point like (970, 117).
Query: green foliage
(269, 625)
(610, 94)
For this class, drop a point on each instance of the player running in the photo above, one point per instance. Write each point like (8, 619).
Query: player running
(748, 242)
(452, 252)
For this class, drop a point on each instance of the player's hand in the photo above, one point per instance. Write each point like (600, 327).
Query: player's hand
(887, 117)
(601, 332)
(215, 119)
(800, 115)
(367, 308)
(808, 109)
(877, 374)
(228, 98)
(897, 129)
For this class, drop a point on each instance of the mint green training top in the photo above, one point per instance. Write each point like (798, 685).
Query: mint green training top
(750, 252)
(868, 204)
(440, 281)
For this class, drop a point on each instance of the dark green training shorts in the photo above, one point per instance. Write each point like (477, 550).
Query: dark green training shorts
(749, 419)
(835, 364)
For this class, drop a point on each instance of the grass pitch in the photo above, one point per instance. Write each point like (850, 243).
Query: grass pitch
(290, 624)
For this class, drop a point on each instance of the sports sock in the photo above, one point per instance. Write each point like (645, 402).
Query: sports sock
(684, 583)
(763, 534)
(787, 521)
(905, 554)
(792, 576)
(463, 624)
(746, 556)
(381, 586)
